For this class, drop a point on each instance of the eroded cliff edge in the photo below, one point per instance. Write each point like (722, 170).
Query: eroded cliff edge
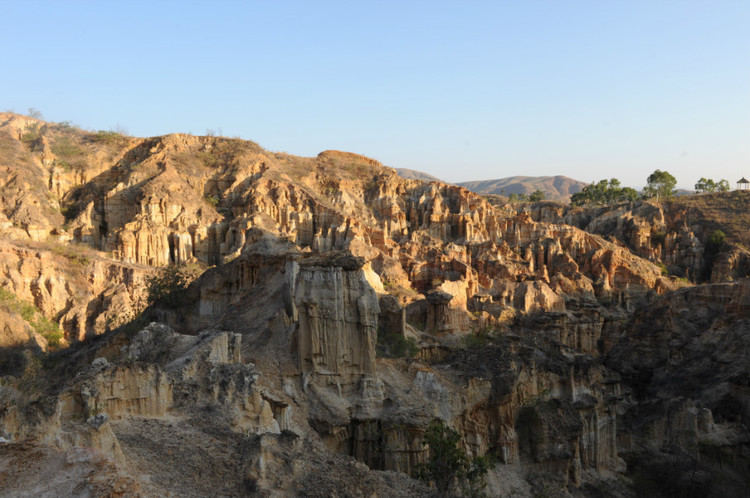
(345, 309)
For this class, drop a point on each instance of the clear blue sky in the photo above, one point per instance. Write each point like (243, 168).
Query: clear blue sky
(462, 90)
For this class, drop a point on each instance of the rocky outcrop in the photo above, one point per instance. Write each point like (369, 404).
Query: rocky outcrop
(686, 363)
(555, 411)
(675, 233)
(548, 337)
(337, 312)
(180, 198)
(84, 292)
(207, 369)
(120, 393)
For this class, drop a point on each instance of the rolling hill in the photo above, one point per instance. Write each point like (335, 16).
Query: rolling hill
(554, 187)
(558, 188)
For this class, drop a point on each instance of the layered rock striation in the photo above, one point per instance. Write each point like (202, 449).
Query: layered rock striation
(342, 310)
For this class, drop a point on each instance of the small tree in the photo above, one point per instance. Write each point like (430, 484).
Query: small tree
(716, 240)
(169, 284)
(32, 136)
(449, 468)
(395, 345)
(705, 185)
(627, 194)
(537, 196)
(660, 184)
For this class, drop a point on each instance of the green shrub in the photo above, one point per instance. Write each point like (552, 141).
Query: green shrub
(449, 468)
(108, 137)
(514, 198)
(330, 186)
(32, 137)
(65, 147)
(478, 339)
(66, 125)
(209, 159)
(716, 240)
(395, 289)
(76, 253)
(663, 268)
(707, 185)
(31, 315)
(69, 154)
(394, 345)
(213, 200)
(168, 286)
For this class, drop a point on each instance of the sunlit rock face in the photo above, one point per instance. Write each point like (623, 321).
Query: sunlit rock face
(339, 311)
(676, 233)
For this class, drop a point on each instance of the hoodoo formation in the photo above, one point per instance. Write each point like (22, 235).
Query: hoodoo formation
(197, 316)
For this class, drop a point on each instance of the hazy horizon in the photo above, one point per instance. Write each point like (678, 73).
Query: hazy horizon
(473, 92)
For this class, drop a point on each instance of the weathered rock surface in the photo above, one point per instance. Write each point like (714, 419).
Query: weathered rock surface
(548, 338)
(676, 233)
(85, 293)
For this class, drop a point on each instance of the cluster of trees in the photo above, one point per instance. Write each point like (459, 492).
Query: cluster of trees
(659, 185)
(535, 196)
(603, 193)
(708, 185)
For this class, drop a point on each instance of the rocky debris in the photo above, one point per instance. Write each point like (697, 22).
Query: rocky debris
(29, 469)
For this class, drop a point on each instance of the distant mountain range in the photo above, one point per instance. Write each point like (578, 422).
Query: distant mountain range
(554, 187)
